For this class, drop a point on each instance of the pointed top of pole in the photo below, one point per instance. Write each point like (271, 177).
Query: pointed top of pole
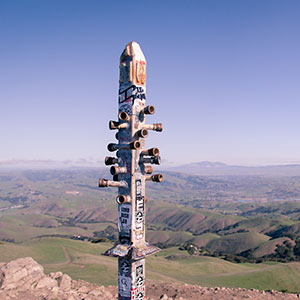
(133, 49)
(132, 65)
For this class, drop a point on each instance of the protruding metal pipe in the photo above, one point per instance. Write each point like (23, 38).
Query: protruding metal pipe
(149, 110)
(151, 152)
(148, 170)
(123, 116)
(134, 145)
(114, 170)
(151, 160)
(111, 160)
(123, 199)
(155, 127)
(142, 133)
(155, 178)
(107, 183)
(117, 125)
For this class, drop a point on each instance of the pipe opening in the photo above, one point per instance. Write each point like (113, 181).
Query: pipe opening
(122, 199)
(157, 178)
(135, 145)
(143, 133)
(123, 116)
(149, 110)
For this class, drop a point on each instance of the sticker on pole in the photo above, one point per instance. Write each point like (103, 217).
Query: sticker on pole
(138, 294)
(124, 267)
(124, 285)
(124, 221)
(139, 208)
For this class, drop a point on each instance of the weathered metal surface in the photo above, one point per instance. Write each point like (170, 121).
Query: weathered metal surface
(129, 173)
(136, 253)
(107, 183)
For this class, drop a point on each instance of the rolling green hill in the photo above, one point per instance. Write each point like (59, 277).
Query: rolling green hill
(193, 220)
(269, 247)
(203, 239)
(237, 243)
(82, 260)
(228, 214)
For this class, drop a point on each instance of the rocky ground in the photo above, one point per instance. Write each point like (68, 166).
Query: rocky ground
(24, 279)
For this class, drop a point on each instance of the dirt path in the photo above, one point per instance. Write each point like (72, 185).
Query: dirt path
(68, 256)
(69, 260)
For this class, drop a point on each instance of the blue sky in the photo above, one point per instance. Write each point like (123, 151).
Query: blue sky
(224, 77)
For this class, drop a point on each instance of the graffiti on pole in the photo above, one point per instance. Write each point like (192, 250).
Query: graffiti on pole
(131, 168)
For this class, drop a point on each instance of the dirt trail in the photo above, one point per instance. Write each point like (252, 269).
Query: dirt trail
(68, 256)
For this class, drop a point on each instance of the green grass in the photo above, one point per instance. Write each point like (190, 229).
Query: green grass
(269, 246)
(82, 260)
(203, 239)
(168, 237)
(238, 242)
(23, 227)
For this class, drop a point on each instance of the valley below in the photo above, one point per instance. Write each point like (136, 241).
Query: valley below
(232, 230)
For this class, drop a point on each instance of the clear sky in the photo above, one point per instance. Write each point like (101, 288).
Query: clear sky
(224, 77)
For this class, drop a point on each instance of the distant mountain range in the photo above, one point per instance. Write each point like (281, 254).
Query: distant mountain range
(207, 168)
(203, 168)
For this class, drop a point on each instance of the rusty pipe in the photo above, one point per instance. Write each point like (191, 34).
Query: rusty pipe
(155, 178)
(134, 146)
(108, 183)
(150, 152)
(149, 110)
(123, 116)
(115, 170)
(151, 160)
(155, 127)
(142, 133)
(111, 160)
(123, 199)
(148, 170)
(117, 125)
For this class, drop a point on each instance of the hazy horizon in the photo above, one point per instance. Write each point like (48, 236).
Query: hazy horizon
(100, 163)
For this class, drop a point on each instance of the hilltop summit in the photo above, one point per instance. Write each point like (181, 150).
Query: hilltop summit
(24, 278)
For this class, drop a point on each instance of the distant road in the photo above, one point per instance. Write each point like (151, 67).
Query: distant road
(11, 207)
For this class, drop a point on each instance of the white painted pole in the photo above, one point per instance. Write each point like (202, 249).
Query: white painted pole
(131, 173)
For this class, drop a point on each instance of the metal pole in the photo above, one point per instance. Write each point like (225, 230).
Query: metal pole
(130, 172)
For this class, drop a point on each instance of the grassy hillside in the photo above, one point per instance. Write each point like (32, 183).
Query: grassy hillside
(189, 219)
(203, 239)
(168, 237)
(237, 243)
(257, 224)
(81, 260)
(269, 247)
(227, 213)
(68, 202)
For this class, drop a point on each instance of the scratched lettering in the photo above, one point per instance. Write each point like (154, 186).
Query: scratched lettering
(132, 93)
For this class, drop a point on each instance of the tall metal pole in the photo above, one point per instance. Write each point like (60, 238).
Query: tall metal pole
(130, 169)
